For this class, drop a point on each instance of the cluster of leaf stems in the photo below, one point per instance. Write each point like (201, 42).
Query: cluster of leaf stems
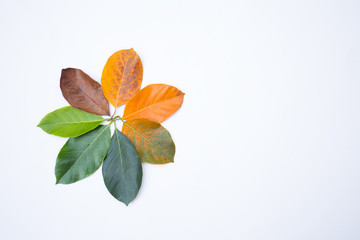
(113, 119)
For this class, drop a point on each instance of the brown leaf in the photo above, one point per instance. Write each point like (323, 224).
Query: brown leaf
(122, 76)
(155, 102)
(82, 92)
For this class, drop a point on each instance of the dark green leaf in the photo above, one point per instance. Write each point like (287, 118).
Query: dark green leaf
(69, 122)
(82, 156)
(122, 170)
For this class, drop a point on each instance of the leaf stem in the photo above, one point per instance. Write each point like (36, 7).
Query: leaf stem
(114, 124)
(119, 118)
(113, 113)
(124, 122)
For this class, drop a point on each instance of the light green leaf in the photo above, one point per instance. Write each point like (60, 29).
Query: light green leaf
(69, 122)
(82, 156)
(122, 170)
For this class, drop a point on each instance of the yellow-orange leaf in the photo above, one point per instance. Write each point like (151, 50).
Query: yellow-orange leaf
(122, 76)
(155, 102)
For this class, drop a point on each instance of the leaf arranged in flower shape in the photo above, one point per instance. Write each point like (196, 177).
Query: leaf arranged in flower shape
(82, 92)
(69, 122)
(122, 170)
(155, 102)
(152, 141)
(82, 156)
(121, 77)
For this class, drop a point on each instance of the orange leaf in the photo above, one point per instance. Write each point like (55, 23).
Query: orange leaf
(122, 76)
(155, 102)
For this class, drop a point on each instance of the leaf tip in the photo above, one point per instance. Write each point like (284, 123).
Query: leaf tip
(40, 125)
(58, 181)
(125, 201)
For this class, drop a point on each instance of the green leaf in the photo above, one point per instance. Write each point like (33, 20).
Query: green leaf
(69, 122)
(152, 141)
(82, 156)
(122, 170)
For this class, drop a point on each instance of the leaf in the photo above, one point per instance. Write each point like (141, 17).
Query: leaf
(82, 92)
(122, 170)
(152, 141)
(69, 122)
(82, 156)
(155, 102)
(122, 76)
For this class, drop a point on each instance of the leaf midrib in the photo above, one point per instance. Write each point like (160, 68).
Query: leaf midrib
(145, 139)
(106, 110)
(122, 78)
(84, 152)
(120, 153)
(150, 106)
(46, 124)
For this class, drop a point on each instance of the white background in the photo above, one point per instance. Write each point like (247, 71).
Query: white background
(267, 138)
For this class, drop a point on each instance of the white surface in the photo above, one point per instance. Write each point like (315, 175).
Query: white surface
(267, 138)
